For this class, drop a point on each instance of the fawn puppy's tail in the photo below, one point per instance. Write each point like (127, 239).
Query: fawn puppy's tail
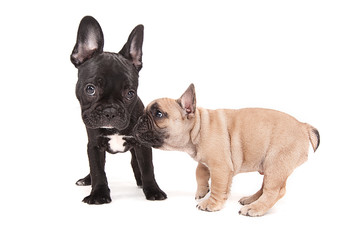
(314, 136)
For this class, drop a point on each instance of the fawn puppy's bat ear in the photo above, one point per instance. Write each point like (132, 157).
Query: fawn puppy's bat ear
(188, 101)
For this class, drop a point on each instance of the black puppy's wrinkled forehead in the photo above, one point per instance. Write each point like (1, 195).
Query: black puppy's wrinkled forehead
(110, 68)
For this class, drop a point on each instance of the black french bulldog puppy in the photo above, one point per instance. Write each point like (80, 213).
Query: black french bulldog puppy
(107, 92)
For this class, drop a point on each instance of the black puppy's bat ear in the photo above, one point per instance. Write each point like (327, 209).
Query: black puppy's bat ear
(132, 49)
(89, 42)
(188, 101)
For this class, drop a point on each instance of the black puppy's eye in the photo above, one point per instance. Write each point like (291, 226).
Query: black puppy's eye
(130, 94)
(90, 89)
(159, 114)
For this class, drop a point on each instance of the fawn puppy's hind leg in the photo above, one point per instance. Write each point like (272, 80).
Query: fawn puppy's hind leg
(250, 199)
(273, 189)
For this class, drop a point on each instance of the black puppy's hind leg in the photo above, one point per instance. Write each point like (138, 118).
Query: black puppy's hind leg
(86, 181)
(136, 169)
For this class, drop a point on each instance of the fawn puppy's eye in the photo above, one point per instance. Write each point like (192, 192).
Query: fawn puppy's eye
(159, 114)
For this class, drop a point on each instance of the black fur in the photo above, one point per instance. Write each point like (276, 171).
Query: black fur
(106, 89)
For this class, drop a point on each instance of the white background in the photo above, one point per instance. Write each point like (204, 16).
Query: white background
(300, 57)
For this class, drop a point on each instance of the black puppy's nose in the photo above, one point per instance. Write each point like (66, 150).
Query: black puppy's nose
(110, 112)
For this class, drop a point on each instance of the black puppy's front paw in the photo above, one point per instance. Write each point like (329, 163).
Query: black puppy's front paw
(129, 143)
(154, 193)
(98, 196)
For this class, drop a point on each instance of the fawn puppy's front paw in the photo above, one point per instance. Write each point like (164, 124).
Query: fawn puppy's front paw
(210, 205)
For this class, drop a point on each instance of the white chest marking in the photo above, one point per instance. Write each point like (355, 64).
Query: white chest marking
(116, 143)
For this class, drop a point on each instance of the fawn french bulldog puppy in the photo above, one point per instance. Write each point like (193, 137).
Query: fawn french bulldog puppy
(226, 142)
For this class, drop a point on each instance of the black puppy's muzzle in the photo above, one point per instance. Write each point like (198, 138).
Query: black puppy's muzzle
(111, 116)
(112, 112)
